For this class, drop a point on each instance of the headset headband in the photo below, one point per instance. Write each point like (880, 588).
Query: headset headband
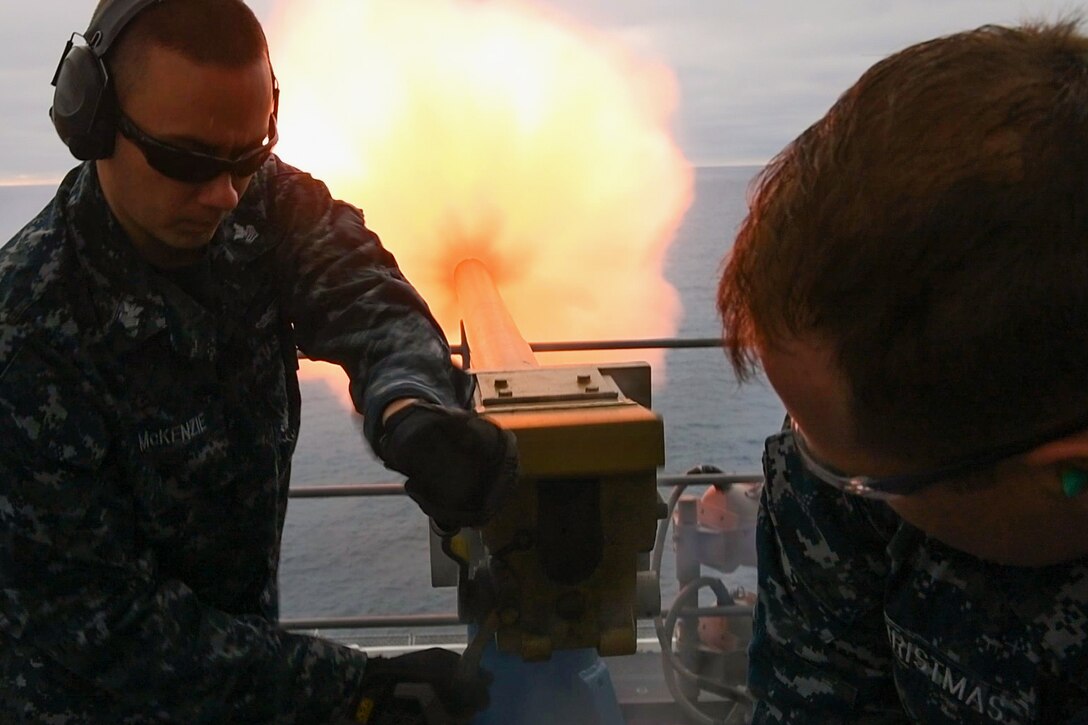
(108, 22)
(84, 108)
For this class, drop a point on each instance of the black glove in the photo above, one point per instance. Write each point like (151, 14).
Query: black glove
(460, 466)
(420, 687)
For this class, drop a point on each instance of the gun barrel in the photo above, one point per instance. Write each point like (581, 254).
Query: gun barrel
(585, 508)
(494, 340)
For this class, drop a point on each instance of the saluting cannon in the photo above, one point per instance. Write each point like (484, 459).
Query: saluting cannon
(565, 564)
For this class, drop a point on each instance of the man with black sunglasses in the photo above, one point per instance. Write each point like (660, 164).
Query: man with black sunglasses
(150, 319)
(911, 277)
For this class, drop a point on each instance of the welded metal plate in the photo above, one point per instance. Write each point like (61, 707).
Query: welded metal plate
(545, 386)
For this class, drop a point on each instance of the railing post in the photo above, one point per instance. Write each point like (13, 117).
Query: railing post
(688, 569)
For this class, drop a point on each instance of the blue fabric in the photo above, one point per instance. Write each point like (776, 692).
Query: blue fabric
(145, 452)
(861, 618)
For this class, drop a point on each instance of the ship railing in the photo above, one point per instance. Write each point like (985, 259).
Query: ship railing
(450, 619)
(676, 482)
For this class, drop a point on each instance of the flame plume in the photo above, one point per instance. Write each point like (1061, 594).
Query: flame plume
(499, 131)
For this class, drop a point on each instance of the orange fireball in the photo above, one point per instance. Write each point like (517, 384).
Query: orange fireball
(501, 132)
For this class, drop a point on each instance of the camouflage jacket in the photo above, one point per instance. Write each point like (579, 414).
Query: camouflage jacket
(145, 451)
(862, 619)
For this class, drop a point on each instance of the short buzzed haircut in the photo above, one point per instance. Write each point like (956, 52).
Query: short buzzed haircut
(216, 32)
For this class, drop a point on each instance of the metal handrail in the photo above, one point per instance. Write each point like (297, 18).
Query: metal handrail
(397, 489)
(643, 344)
(374, 621)
(449, 619)
(651, 343)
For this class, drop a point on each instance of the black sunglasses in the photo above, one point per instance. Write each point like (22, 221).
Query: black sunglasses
(193, 167)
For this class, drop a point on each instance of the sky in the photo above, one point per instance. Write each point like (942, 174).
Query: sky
(750, 74)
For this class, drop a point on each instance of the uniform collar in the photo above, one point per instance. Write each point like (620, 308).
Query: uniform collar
(133, 303)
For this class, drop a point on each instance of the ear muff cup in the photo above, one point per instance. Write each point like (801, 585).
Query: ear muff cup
(83, 111)
(84, 108)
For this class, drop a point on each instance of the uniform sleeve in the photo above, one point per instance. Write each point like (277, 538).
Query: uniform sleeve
(819, 651)
(351, 305)
(93, 624)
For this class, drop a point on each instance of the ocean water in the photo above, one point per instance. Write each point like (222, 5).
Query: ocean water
(369, 556)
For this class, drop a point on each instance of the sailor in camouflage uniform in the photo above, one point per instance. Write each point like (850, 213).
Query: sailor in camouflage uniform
(911, 279)
(149, 404)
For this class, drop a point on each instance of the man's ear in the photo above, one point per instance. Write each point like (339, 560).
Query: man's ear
(1070, 451)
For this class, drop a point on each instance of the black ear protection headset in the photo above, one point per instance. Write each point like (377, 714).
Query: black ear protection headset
(84, 108)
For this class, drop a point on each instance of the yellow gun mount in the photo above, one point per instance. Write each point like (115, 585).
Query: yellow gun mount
(564, 564)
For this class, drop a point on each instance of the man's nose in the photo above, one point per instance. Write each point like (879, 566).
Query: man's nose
(220, 192)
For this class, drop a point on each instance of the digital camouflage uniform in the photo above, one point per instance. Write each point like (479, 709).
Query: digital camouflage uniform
(145, 450)
(861, 618)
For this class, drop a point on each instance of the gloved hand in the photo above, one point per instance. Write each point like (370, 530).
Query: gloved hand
(460, 466)
(381, 697)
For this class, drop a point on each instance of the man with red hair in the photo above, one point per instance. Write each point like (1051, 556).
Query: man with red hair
(911, 277)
